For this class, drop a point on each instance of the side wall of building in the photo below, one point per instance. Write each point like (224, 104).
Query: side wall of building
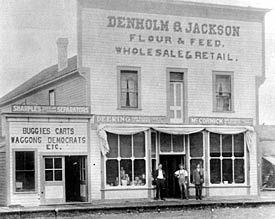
(68, 92)
(3, 178)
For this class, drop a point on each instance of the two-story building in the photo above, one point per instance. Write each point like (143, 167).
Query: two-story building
(166, 82)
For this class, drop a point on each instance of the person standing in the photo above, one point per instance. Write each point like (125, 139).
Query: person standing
(182, 176)
(159, 177)
(198, 180)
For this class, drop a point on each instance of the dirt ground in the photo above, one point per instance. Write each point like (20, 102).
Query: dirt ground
(261, 212)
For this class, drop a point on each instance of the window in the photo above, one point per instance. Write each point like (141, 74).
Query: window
(125, 163)
(52, 100)
(227, 159)
(176, 97)
(129, 88)
(53, 169)
(171, 143)
(223, 92)
(24, 171)
(196, 151)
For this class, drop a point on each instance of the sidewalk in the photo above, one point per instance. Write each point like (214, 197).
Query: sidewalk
(132, 205)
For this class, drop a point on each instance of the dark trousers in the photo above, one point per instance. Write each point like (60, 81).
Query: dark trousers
(160, 188)
(198, 191)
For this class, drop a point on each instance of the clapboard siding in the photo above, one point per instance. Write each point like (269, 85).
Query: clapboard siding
(3, 185)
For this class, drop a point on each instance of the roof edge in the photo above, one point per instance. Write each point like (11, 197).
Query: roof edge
(215, 5)
(38, 87)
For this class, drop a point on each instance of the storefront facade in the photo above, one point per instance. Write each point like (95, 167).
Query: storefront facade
(47, 159)
(180, 85)
(155, 82)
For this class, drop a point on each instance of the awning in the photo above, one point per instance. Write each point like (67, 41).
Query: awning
(118, 130)
(174, 130)
(270, 159)
(2, 144)
(178, 130)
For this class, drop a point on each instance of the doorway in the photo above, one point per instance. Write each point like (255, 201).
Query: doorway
(75, 179)
(170, 164)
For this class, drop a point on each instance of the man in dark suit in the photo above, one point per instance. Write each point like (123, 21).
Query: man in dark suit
(159, 177)
(198, 180)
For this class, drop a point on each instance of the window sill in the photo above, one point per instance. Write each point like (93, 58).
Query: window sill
(120, 188)
(216, 111)
(25, 193)
(131, 109)
(228, 186)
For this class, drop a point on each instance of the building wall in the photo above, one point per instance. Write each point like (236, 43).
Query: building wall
(99, 40)
(3, 178)
(16, 125)
(69, 92)
(96, 168)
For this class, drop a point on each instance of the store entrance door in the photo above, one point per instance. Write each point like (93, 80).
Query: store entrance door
(54, 180)
(170, 164)
(65, 179)
(75, 179)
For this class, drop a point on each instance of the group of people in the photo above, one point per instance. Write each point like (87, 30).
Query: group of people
(159, 176)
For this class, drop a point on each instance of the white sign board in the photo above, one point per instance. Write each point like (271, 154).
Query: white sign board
(47, 137)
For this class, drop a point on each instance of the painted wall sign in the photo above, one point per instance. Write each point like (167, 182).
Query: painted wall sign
(130, 119)
(176, 26)
(46, 137)
(173, 38)
(51, 109)
(220, 121)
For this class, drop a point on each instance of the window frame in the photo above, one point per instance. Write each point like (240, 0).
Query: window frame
(54, 169)
(232, 158)
(14, 170)
(203, 157)
(223, 73)
(128, 68)
(52, 99)
(172, 152)
(132, 158)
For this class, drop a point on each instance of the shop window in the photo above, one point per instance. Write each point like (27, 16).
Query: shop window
(129, 88)
(113, 144)
(53, 169)
(24, 171)
(196, 152)
(112, 172)
(171, 143)
(139, 145)
(127, 168)
(52, 99)
(223, 91)
(227, 160)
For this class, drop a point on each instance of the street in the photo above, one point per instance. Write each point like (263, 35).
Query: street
(265, 212)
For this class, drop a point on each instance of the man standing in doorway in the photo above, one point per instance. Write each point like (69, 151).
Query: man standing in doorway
(182, 176)
(159, 177)
(198, 180)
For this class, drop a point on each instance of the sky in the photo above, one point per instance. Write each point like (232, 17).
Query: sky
(29, 30)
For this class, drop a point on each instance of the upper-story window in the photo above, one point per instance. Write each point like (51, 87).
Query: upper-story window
(223, 91)
(129, 88)
(52, 99)
(176, 95)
